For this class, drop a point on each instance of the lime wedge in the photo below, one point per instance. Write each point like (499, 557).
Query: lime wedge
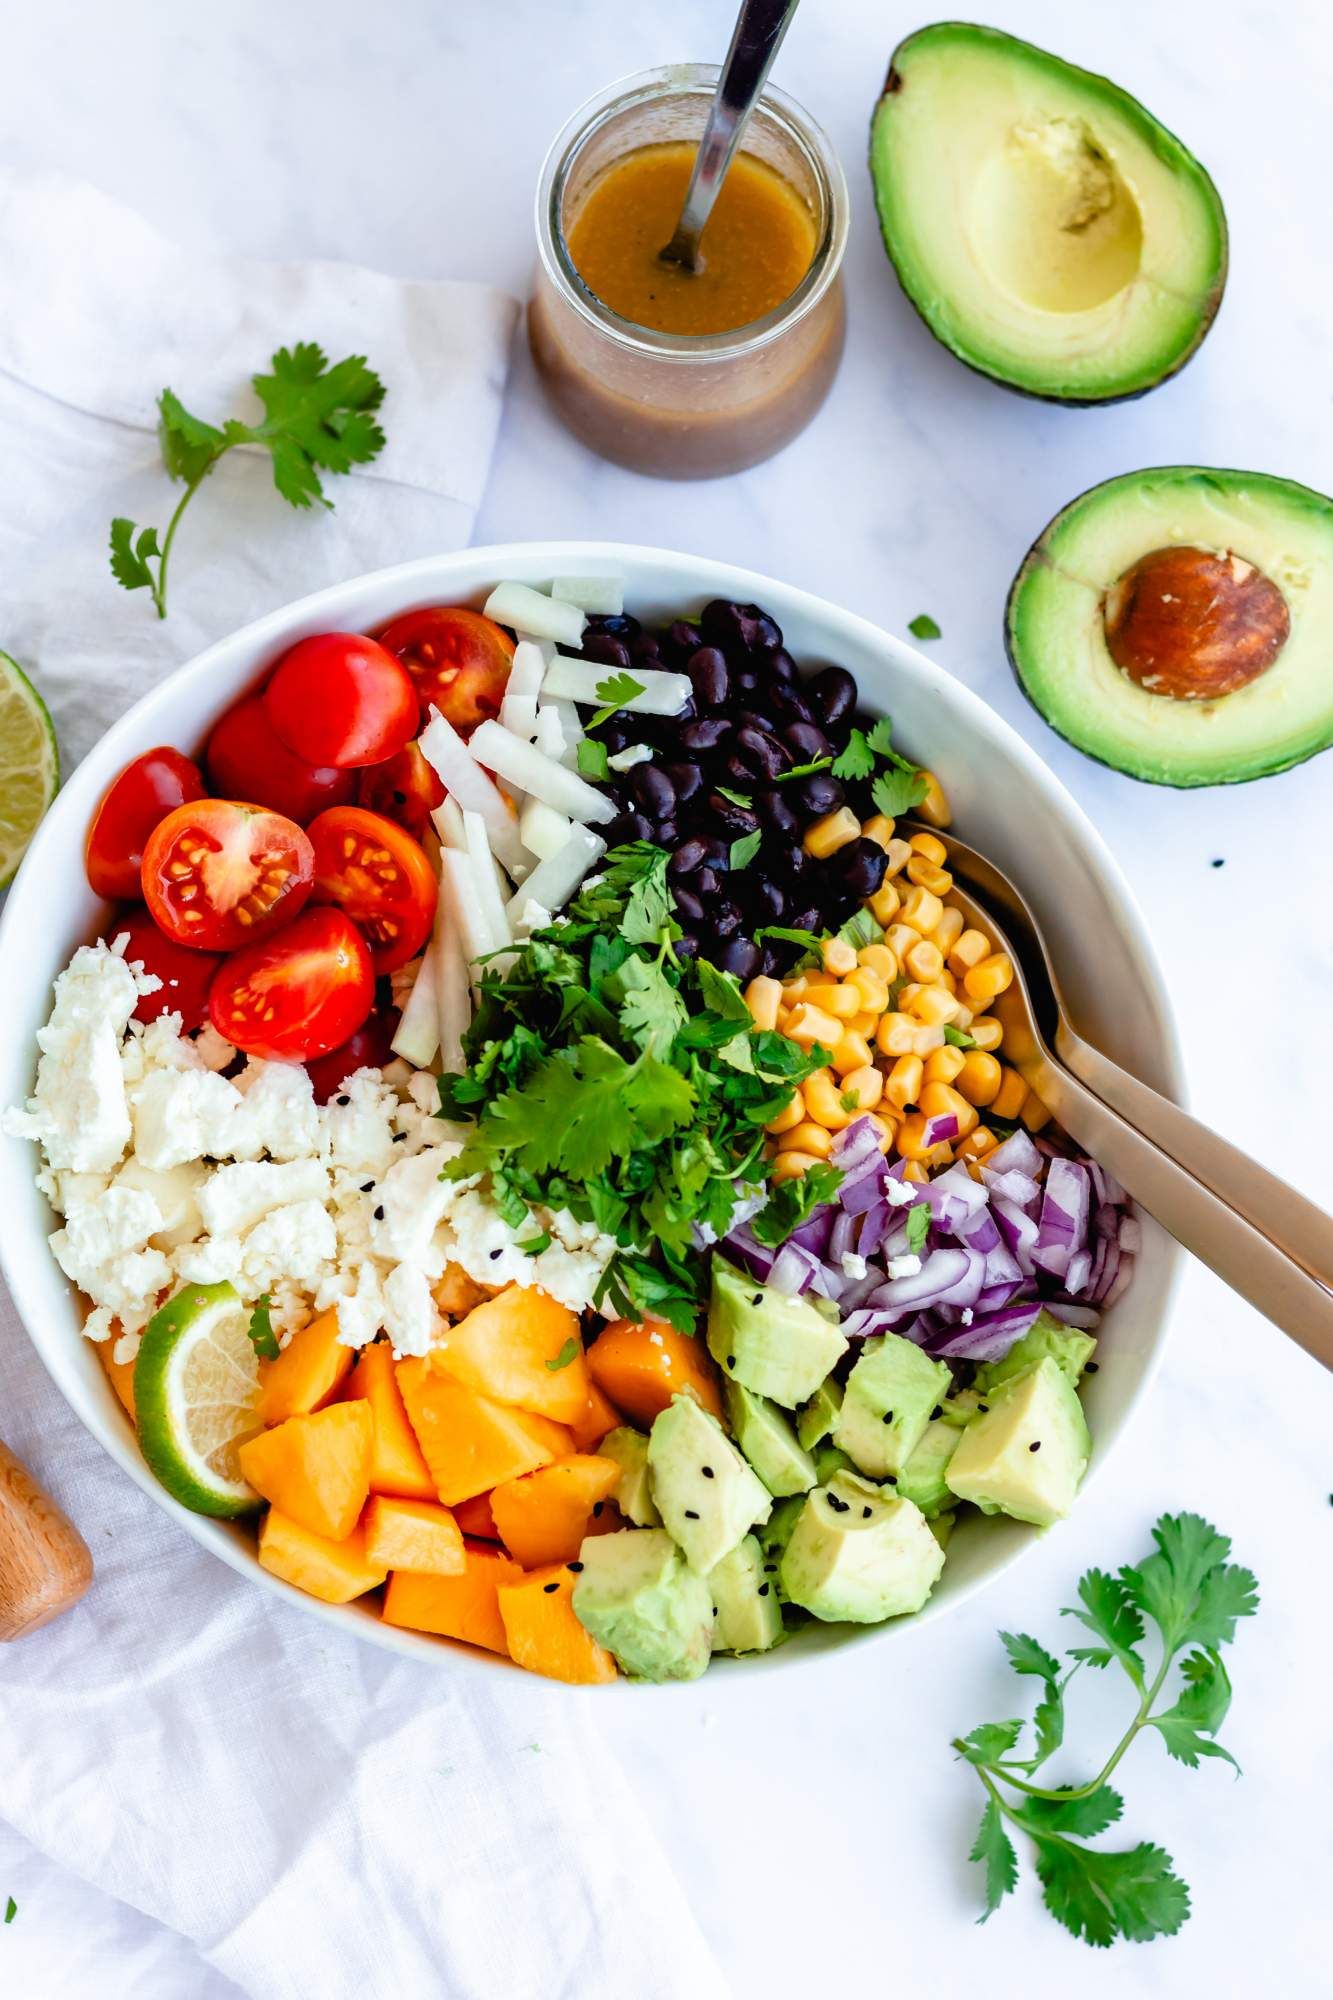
(29, 764)
(196, 1394)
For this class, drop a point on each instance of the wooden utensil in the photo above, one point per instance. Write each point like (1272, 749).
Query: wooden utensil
(44, 1561)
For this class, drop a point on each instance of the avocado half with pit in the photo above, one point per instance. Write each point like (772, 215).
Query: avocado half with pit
(1177, 624)
(1049, 231)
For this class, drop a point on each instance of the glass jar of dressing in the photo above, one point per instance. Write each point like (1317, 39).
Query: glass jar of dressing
(682, 375)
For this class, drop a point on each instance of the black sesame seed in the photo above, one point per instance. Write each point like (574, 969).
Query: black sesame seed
(366, 1186)
(758, 1299)
(983, 1409)
(865, 1513)
(690, 1514)
(890, 1479)
(576, 1567)
(763, 1590)
(598, 1506)
(1035, 1446)
(549, 1587)
(731, 1361)
(1091, 1368)
(938, 1411)
(398, 1138)
(379, 1213)
(887, 1418)
(495, 1254)
(715, 1611)
(771, 1569)
(1219, 864)
(344, 1100)
(707, 1471)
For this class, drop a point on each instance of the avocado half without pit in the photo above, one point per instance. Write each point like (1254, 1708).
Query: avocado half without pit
(1049, 231)
(1177, 624)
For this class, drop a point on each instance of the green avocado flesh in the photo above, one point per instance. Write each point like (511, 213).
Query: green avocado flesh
(1050, 232)
(1057, 638)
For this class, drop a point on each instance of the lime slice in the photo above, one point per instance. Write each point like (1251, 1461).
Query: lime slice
(29, 764)
(196, 1394)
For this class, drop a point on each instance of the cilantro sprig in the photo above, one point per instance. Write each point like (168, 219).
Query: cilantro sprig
(1192, 1596)
(608, 1077)
(261, 1332)
(316, 419)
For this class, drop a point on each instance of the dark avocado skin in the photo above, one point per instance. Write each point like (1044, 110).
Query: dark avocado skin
(893, 83)
(1036, 558)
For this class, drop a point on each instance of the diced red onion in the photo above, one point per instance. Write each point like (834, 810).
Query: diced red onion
(989, 1337)
(856, 1145)
(1020, 1189)
(1124, 1273)
(1084, 1317)
(939, 1272)
(1018, 1230)
(939, 1131)
(863, 1189)
(793, 1269)
(1131, 1235)
(1079, 1272)
(1017, 1154)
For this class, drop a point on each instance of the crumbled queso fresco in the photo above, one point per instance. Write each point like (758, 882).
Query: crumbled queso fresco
(165, 1171)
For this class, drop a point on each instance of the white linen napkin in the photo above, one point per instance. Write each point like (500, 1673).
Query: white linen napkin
(318, 1815)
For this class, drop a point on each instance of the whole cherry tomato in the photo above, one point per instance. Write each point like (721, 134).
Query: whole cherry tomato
(246, 759)
(406, 789)
(185, 974)
(341, 699)
(131, 806)
(458, 660)
(371, 1047)
(378, 874)
(295, 996)
(217, 873)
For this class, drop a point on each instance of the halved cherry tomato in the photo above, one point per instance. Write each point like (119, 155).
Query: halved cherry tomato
(378, 874)
(246, 759)
(293, 997)
(131, 806)
(216, 873)
(406, 789)
(185, 974)
(458, 660)
(341, 699)
(371, 1047)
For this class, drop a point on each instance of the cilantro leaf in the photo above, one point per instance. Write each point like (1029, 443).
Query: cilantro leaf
(956, 1038)
(651, 1011)
(721, 992)
(1082, 1813)
(994, 1851)
(613, 692)
(990, 1741)
(261, 1330)
(1188, 1728)
(1186, 1587)
(648, 910)
(744, 850)
(11, 1910)
(1026, 1656)
(792, 1201)
(316, 418)
(880, 737)
(857, 760)
(532, 1246)
(745, 799)
(1099, 1896)
(565, 1356)
(896, 792)
(1111, 1617)
(593, 760)
(923, 626)
(803, 770)
(918, 1225)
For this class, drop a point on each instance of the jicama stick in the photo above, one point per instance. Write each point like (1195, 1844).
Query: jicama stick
(603, 596)
(553, 881)
(462, 776)
(533, 613)
(657, 693)
(523, 765)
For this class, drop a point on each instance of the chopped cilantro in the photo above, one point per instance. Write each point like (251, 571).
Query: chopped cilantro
(593, 762)
(11, 1910)
(896, 792)
(743, 851)
(565, 1356)
(532, 1246)
(956, 1038)
(614, 691)
(745, 799)
(857, 760)
(923, 626)
(802, 770)
(792, 1201)
(918, 1225)
(261, 1330)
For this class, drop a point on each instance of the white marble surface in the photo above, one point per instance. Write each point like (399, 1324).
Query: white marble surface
(817, 1817)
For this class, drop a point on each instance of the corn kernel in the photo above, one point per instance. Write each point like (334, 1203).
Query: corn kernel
(862, 1024)
(840, 1001)
(930, 846)
(807, 1137)
(784, 1017)
(1034, 1113)
(922, 910)
(968, 949)
(823, 1101)
(791, 1166)
(791, 1114)
(866, 1085)
(929, 1036)
(941, 1100)
(927, 876)
(873, 991)
(979, 1077)
(763, 997)
(915, 1173)
(989, 978)
(883, 1129)
(962, 1020)
(944, 1065)
(904, 1082)
(839, 956)
(900, 938)
(878, 829)
(977, 1144)
(949, 929)
(933, 1006)
(827, 835)
(925, 962)
(911, 1142)
(879, 958)
(1008, 1099)
(899, 854)
(853, 1052)
(896, 1035)
(883, 905)
(795, 987)
(934, 807)
(947, 981)
(985, 1031)
(811, 1024)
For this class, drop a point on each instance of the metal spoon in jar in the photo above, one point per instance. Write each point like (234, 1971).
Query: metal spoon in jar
(760, 27)
(1260, 1236)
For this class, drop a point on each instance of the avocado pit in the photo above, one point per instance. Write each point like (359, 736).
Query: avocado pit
(1192, 625)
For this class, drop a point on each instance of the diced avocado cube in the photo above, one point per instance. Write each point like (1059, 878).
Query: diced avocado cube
(892, 1394)
(772, 1343)
(828, 1460)
(707, 1495)
(961, 1408)
(629, 1449)
(922, 1478)
(860, 1554)
(816, 1418)
(1027, 1454)
(748, 1616)
(1047, 1335)
(766, 1437)
(941, 1527)
(639, 1598)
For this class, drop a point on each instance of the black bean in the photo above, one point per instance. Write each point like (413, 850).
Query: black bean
(773, 959)
(805, 920)
(725, 918)
(615, 735)
(738, 774)
(861, 865)
(705, 735)
(806, 742)
(834, 693)
(686, 946)
(719, 852)
(667, 834)
(687, 857)
(644, 650)
(708, 676)
(682, 637)
(687, 779)
(764, 754)
(653, 790)
(637, 827)
(775, 663)
(689, 906)
(740, 956)
(774, 812)
(745, 680)
(605, 650)
(790, 701)
(618, 623)
(707, 883)
(737, 820)
(796, 865)
(744, 626)
(767, 900)
(818, 794)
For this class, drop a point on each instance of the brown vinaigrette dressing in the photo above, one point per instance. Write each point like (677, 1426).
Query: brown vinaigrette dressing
(759, 243)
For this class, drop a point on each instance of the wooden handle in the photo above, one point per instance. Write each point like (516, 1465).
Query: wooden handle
(44, 1561)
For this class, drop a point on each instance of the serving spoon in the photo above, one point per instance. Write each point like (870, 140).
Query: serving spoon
(760, 27)
(44, 1561)
(1260, 1236)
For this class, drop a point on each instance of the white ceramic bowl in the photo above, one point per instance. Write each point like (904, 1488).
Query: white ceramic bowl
(1005, 801)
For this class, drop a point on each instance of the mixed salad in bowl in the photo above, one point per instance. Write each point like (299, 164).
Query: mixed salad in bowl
(534, 1139)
